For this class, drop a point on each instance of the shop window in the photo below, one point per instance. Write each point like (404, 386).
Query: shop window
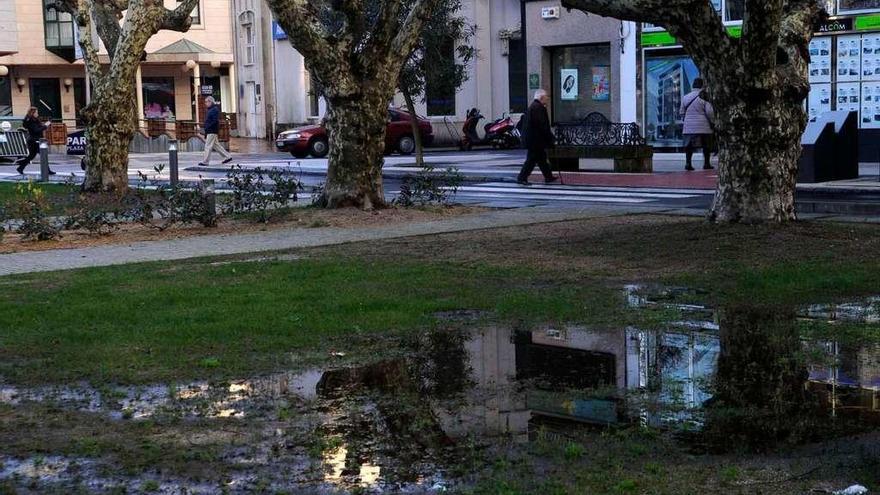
(516, 77)
(58, 27)
(314, 97)
(5, 96)
(246, 19)
(439, 90)
(196, 14)
(857, 5)
(158, 93)
(46, 96)
(734, 9)
(667, 80)
(581, 82)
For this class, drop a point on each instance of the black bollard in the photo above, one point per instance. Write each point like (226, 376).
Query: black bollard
(44, 160)
(172, 162)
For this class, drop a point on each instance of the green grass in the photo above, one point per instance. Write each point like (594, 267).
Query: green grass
(158, 321)
(55, 193)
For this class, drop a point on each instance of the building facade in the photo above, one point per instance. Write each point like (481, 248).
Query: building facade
(47, 71)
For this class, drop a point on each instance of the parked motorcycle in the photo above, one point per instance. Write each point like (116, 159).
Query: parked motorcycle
(500, 134)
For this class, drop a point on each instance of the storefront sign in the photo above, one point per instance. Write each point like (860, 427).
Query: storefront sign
(662, 38)
(601, 83)
(277, 32)
(867, 22)
(569, 80)
(76, 143)
(207, 90)
(534, 81)
(835, 26)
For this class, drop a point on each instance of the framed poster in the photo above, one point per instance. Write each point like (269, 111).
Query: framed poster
(820, 60)
(601, 83)
(870, 115)
(849, 58)
(819, 101)
(534, 81)
(870, 57)
(568, 79)
(849, 97)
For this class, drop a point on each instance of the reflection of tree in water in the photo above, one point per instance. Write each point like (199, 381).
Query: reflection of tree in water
(760, 387)
(383, 412)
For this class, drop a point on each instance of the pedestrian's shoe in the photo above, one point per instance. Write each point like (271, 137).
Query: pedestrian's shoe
(689, 168)
(550, 180)
(523, 182)
(227, 160)
(708, 167)
(20, 168)
(201, 164)
(51, 172)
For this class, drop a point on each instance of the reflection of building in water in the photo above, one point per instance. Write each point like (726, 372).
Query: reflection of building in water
(675, 366)
(846, 377)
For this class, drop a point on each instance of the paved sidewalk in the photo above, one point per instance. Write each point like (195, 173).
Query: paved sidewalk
(227, 244)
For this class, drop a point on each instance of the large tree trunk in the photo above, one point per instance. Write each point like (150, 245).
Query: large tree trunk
(356, 128)
(759, 149)
(110, 126)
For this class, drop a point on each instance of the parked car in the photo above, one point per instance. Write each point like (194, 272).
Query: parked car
(312, 140)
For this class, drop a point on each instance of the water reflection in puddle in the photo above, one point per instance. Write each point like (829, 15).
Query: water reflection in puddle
(391, 426)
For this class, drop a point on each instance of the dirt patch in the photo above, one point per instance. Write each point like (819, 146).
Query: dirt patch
(299, 218)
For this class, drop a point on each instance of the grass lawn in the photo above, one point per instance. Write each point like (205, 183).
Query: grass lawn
(231, 318)
(55, 193)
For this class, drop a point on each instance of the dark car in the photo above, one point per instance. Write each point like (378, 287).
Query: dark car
(312, 140)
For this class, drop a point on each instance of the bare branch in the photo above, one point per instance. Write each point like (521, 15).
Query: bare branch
(659, 12)
(90, 51)
(179, 19)
(405, 40)
(760, 39)
(299, 19)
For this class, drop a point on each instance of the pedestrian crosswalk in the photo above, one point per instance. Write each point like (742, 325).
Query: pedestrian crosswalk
(493, 193)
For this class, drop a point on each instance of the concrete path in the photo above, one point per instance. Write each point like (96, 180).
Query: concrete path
(227, 244)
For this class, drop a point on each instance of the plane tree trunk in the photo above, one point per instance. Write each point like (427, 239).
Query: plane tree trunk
(355, 49)
(757, 84)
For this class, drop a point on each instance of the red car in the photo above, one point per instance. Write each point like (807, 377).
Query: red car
(312, 140)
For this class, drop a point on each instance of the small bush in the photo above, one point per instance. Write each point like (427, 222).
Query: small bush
(31, 208)
(251, 193)
(161, 206)
(429, 187)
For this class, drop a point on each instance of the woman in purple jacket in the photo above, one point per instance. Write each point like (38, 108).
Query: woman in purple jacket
(698, 115)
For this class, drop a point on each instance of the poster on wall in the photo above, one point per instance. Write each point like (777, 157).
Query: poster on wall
(870, 116)
(871, 57)
(849, 58)
(569, 81)
(849, 97)
(820, 60)
(819, 101)
(601, 83)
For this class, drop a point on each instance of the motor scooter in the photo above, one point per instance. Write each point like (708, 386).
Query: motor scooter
(500, 134)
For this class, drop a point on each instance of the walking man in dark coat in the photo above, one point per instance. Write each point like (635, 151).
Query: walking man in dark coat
(538, 137)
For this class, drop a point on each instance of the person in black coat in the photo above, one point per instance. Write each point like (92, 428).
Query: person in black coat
(538, 137)
(212, 128)
(35, 129)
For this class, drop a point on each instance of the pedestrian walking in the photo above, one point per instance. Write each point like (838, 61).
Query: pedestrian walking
(35, 129)
(698, 115)
(212, 127)
(538, 138)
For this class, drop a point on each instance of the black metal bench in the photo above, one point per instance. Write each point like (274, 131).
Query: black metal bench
(597, 137)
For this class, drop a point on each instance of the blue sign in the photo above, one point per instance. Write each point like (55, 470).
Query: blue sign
(277, 32)
(76, 143)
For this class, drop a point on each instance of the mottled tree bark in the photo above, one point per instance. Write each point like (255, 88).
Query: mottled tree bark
(110, 117)
(355, 48)
(757, 84)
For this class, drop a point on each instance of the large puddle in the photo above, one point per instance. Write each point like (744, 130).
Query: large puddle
(716, 377)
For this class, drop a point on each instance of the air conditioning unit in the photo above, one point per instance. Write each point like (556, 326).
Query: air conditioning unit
(550, 12)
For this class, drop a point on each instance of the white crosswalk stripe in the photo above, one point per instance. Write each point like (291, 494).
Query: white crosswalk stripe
(505, 191)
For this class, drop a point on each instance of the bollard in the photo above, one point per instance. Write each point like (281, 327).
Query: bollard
(44, 160)
(172, 161)
(208, 191)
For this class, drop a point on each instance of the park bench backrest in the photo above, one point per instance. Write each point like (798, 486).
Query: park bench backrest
(596, 130)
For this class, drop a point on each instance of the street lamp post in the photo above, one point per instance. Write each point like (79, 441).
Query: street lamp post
(44, 160)
(172, 161)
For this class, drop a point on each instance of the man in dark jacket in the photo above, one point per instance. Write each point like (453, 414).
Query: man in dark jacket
(538, 137)
(212, 127)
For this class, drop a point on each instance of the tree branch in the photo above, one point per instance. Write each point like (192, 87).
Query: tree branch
(760, 40)
(299, 19)
(179, 19)
(659, 12)
(86, 42)
(405, 40)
